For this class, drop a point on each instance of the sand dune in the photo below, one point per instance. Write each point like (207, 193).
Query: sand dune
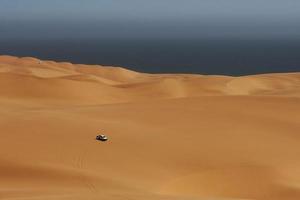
(172, 137)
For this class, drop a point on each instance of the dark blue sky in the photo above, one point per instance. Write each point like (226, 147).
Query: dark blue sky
(146, 19)
(187, 36)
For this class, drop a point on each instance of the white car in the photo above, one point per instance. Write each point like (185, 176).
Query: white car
(102, 138)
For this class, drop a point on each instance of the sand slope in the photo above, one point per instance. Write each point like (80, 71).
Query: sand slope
(172, 137)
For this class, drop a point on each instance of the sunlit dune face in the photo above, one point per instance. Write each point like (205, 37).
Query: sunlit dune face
(170, 136)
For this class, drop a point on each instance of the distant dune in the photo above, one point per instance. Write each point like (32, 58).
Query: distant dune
(171, 136)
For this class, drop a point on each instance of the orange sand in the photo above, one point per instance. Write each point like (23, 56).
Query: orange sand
(172, 137)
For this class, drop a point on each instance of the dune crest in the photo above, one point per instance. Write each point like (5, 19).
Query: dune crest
(171, 136)
(122, 85)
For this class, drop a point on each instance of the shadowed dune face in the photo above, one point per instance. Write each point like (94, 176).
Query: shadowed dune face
(171, 137)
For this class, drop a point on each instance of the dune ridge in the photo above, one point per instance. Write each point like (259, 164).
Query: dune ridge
(172, 136)
(121, 85)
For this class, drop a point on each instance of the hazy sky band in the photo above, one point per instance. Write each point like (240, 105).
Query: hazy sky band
(146, 9)
(144, 19)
